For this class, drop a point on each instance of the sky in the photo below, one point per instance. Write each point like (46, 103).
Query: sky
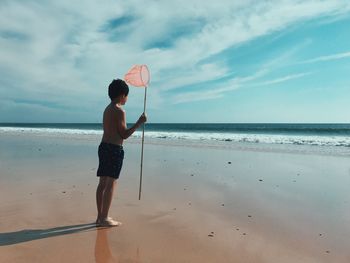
(222, 61)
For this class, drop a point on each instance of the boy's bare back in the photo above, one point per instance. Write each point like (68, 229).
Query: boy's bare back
(113, 118)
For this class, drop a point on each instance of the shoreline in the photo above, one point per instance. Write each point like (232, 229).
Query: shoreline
(330, 135)
(322, 150)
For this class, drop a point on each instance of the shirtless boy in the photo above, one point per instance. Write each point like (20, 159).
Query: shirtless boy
(110, 150)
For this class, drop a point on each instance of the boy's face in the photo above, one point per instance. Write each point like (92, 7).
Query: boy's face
(124, 99)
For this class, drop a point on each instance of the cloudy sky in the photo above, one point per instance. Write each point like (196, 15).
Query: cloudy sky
(211, 61)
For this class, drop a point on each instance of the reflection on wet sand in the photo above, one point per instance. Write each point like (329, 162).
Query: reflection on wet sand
(103, 252)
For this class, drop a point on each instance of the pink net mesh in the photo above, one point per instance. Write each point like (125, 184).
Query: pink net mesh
(138, 76)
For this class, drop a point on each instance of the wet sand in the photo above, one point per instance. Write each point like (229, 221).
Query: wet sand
(199, 204)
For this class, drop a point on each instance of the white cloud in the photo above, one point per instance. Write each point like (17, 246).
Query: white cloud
(327, 58)
(219, 91)
(283, 79)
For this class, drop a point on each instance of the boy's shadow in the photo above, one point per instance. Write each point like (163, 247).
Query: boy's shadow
(26, 235)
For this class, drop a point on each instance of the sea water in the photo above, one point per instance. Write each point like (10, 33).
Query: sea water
(337, 135)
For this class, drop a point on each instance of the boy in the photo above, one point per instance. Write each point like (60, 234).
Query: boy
(110, 150)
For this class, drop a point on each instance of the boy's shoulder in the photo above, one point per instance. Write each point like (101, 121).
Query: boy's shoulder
(114, 109)
(117, 109)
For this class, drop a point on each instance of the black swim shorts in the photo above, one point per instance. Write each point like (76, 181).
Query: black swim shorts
(110, 158)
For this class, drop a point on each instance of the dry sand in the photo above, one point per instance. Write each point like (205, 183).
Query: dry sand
(199, 204)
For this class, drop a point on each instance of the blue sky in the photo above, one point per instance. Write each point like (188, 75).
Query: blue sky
(226, 61)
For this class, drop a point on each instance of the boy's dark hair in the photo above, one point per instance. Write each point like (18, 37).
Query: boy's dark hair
(116, 88)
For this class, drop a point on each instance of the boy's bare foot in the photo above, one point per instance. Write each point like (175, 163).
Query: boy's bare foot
(99, 220)
(108, 222)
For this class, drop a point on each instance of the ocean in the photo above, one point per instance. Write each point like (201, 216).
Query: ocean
(337, 135)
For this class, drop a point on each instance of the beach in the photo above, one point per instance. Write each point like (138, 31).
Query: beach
(200, 202)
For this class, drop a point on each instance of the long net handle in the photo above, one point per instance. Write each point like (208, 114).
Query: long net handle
(143, 139)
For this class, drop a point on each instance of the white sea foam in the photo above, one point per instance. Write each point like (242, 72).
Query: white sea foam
(203, 136)
(49, 131)
(255, 138)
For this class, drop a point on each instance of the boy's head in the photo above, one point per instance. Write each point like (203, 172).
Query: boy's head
(116, 88)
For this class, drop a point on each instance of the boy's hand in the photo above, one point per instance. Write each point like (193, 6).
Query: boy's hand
(142, 119)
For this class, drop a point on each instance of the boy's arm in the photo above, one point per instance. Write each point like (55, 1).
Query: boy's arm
(124, 132)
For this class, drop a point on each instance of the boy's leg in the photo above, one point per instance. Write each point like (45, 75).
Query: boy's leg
(107, 196)
(99, 196)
